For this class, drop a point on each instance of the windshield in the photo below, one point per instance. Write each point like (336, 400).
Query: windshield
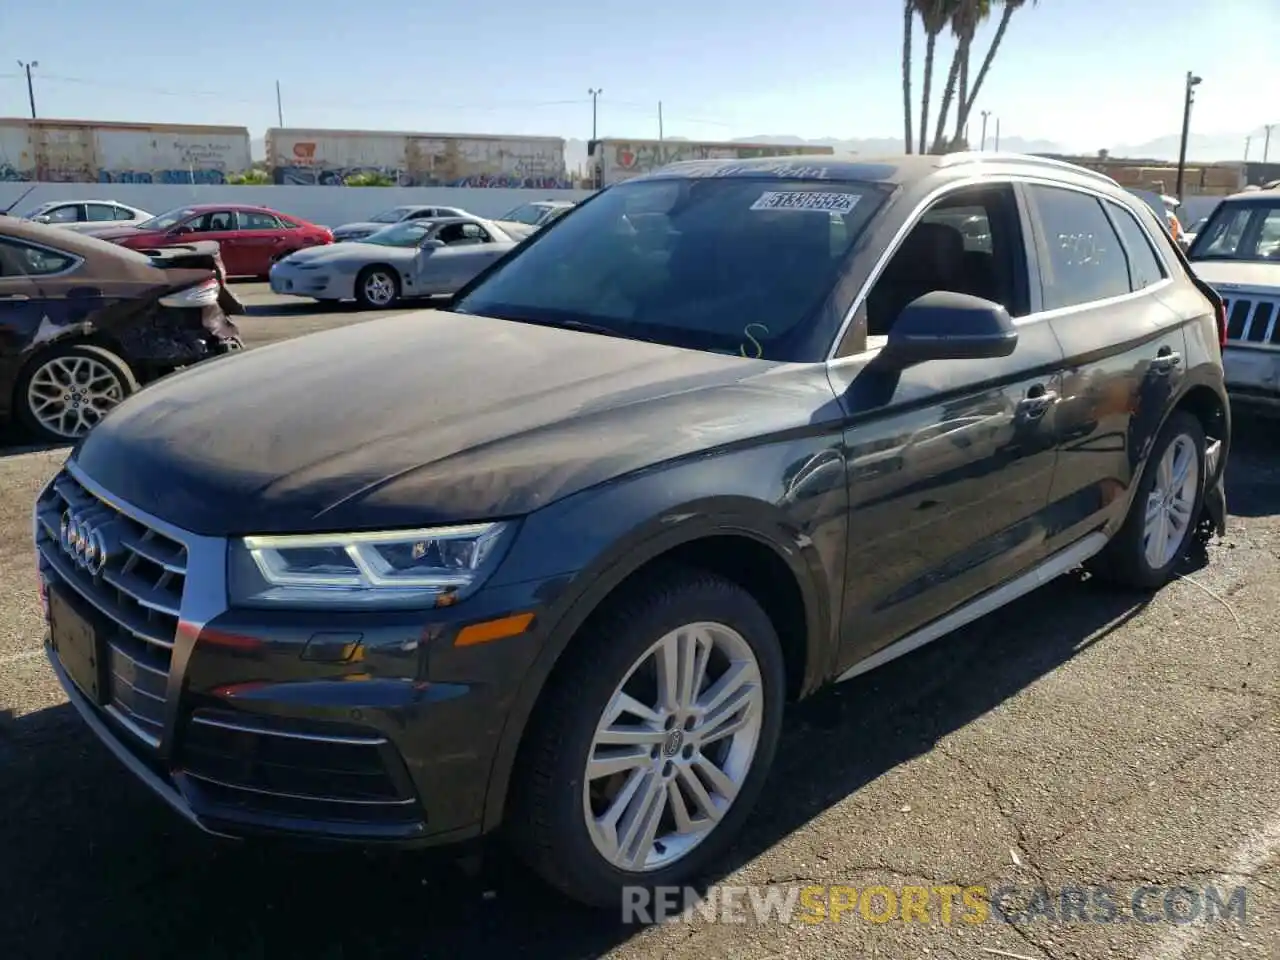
(530, 213)
(1240, 231)
(394, 215)
(732, 265)
(166, 220)
(407, 234)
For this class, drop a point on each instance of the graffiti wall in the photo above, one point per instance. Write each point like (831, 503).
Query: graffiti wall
(335, 157)
(65, 151)
(617, 160)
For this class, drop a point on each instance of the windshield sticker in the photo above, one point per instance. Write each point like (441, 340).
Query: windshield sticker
(806, 200)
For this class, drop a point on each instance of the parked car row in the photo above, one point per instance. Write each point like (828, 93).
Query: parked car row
(549, 563)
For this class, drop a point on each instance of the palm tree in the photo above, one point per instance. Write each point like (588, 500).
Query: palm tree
(935, 14)
(1009, 7)
(965, 20)
(908, 26)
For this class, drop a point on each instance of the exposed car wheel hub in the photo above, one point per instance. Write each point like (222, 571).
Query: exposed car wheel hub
(1171, 503)
(69, 395)
(674, 746)
(379, 288)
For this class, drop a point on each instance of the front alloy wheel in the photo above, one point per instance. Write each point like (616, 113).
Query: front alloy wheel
(377, 288)
(673, 747)
(652, 738)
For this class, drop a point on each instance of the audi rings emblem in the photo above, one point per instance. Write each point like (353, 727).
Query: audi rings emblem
(84, 542)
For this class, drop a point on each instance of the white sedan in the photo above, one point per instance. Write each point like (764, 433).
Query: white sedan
(415, 258)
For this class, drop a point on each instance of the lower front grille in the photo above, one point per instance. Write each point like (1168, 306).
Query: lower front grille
(253, 767)
(1252, 320)
(133, 577)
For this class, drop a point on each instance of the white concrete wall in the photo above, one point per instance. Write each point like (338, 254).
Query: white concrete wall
(328, 206)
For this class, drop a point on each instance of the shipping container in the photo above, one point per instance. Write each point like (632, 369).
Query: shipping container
(613, 161)
(83, 151)
(335, 157)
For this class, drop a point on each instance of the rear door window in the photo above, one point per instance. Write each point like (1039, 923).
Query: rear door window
(1081, 257)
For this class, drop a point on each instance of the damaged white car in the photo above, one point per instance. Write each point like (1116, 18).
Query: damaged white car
(1237, 252)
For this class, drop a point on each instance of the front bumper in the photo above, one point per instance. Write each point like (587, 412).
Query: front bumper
(370, 727)
(1252, 375)
(323, 284)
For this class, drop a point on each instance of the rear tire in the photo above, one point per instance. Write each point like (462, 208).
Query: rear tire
(1163, 518)
(64, 392)
(377, 288)
(562, 801)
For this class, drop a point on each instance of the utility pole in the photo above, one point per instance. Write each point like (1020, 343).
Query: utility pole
(985, 115)
(1247, 141)
(31, 90)
(997, 134)
(594, 93)
(1266, 140)
(659, 121)
(1188, 98)
(279, 107)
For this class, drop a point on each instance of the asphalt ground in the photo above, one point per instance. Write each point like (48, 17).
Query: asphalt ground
(1112, 745)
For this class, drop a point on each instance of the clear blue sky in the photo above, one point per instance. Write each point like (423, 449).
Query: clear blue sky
(1085, 73)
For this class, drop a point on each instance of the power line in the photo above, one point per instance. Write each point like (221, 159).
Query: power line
(495, 105)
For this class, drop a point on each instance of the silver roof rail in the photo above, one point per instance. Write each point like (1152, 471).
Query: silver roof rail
(987, 156)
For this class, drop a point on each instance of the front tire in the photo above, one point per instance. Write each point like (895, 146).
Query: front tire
(1162, 520)
(377, 288)
(653, 741)
(66, 391)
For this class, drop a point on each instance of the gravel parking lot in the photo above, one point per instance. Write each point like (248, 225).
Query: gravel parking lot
(1082, 737)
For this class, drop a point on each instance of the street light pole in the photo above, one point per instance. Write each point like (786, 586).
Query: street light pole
(1266, 141)
(31, 90)
(1188, 98)
(997, 134)
(985, 115)
(594, 93)
(1247, 141)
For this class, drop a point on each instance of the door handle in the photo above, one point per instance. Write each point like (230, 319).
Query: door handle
(14, 296)
(1036, 403)
(1165, 361)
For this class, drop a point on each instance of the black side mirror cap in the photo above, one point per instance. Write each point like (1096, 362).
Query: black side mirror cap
(943, 325)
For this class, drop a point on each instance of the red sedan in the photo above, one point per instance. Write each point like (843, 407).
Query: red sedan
(251, 238)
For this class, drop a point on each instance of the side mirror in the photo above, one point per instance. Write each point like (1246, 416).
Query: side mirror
(181, 230)
(43, 218)
(432, 244)
(949, 326)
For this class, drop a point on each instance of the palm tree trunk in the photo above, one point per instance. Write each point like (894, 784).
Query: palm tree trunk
(908, 23)
(966, 45)
(947, 96)
(966, 106)
(929, 46)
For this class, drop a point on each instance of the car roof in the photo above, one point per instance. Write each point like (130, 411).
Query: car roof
(1261, 198)
(892, 170)
(205, 207)
(80, 244)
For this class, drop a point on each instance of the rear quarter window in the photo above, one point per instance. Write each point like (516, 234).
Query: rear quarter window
(1145, 267)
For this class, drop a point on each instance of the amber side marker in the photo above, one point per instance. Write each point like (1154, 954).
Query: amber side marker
(490, 630)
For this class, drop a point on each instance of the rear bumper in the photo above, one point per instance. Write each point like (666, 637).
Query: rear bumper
(1252, 375)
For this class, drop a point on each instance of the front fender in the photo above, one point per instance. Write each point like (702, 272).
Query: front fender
(585, 546)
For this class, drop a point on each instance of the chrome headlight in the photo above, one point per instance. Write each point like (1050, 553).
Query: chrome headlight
(400, 568)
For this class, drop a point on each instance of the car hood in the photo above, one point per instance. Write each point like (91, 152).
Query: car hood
(427, 418)
(516, 229)
(352, 250)
(1225, 274)
(369, 226)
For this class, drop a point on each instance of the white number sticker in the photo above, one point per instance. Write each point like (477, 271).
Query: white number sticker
(806, 200)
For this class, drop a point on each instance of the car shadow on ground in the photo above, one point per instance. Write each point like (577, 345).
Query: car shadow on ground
(97, 866)
(1253, 467)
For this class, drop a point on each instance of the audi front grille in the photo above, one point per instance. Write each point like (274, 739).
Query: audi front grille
(133, 576)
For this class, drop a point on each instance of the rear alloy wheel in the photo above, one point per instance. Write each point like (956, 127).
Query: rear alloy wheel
(652, 744)
(1161, 523)
(377, 288)
(67, 391)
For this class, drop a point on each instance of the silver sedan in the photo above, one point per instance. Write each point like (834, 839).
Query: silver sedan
(415, 258)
